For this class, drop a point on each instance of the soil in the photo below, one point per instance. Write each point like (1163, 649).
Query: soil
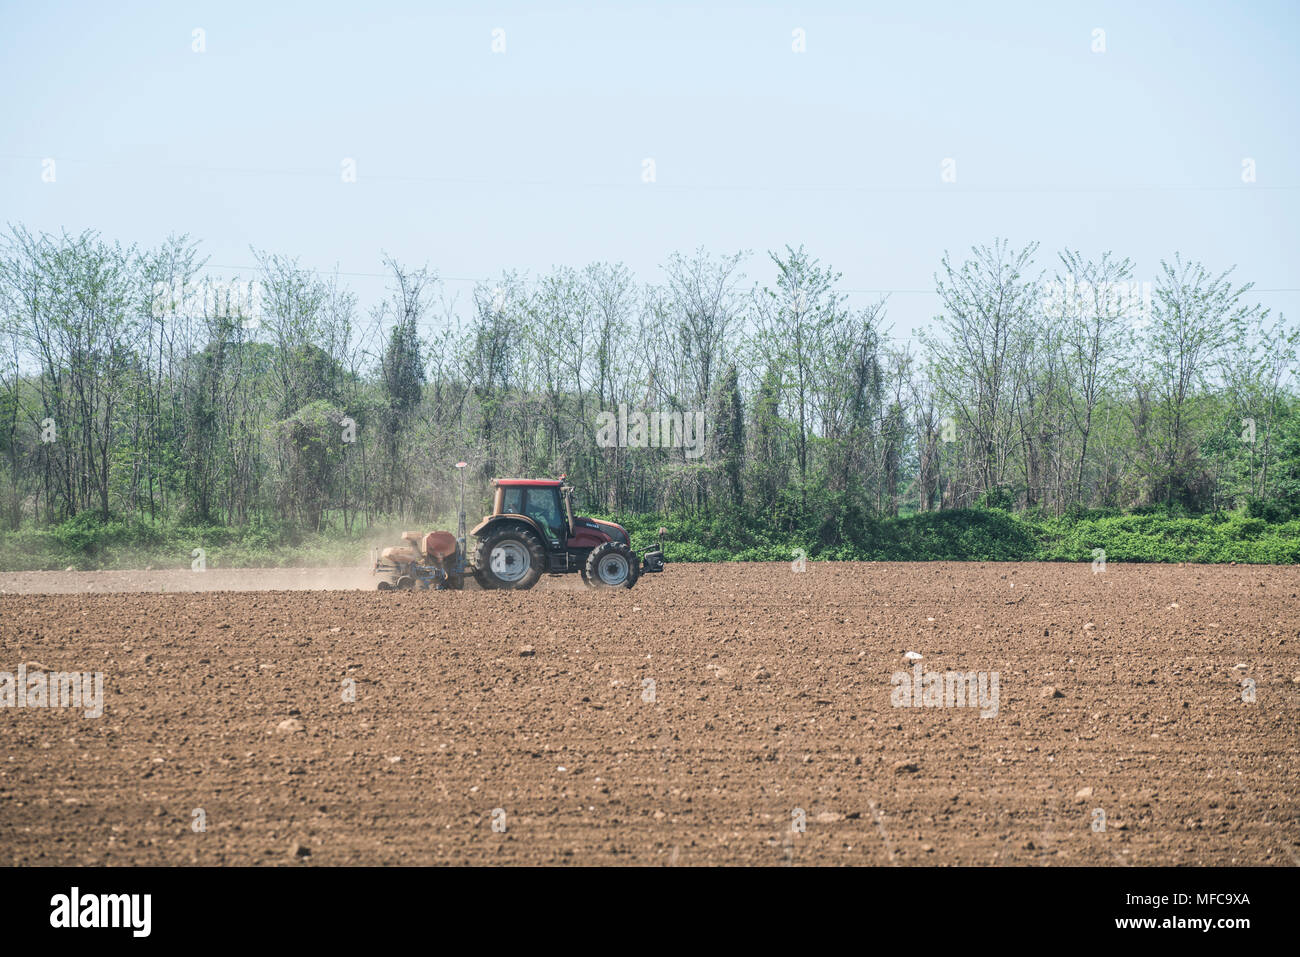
(736, 713)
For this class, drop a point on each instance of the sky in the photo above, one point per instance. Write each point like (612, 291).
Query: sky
(487, 136)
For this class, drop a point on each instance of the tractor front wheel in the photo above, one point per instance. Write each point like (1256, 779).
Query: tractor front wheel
(509, 558)
(611, 565)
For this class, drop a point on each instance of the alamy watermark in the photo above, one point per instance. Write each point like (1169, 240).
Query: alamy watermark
(53, 689)
(209, 297)
(1130, 300)
(951, 689)
(75, 909)
(651, 429)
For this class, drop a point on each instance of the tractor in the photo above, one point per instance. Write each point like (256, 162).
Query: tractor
(531, 531)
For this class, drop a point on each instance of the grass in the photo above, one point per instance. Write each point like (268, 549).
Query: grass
(988, 535)
(89, 542)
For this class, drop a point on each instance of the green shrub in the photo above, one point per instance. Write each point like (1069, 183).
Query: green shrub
(1156, 534)
(1275, 513)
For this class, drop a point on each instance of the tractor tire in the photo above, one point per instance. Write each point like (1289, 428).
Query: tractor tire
(611, 565)
(509, 558)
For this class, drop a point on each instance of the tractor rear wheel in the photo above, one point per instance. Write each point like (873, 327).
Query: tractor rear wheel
(611, 565)
(509, 558)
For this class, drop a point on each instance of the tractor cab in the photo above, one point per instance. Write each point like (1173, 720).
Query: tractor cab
(539, 501)
(548, 505)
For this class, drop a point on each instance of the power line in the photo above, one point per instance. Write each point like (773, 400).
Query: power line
(491, 279)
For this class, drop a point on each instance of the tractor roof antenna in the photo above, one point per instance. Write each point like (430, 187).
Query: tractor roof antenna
(460, 527)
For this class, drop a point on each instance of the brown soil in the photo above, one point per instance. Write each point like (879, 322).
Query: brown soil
(771, 695)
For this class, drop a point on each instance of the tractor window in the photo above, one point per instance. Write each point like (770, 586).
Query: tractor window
(513, 501)
(544, 508)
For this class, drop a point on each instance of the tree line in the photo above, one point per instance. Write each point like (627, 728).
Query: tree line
(132, 386)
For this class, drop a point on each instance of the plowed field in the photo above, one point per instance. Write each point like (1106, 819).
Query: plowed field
(713, 714)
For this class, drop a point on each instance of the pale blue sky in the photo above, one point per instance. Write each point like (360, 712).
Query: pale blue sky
(473, 161)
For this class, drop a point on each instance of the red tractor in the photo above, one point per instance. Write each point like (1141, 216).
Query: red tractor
(531, 531)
